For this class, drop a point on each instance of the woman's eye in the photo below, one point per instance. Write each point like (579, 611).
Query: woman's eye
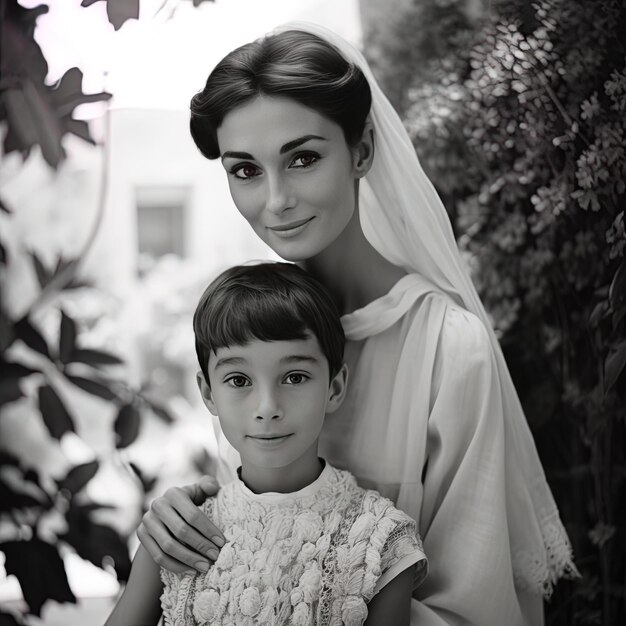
(305, 159)
(295, 379)
(237, 381)
(245, 171)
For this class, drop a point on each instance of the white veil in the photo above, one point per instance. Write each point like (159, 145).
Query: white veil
(404, 219)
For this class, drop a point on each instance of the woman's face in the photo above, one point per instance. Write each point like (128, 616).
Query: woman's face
(291, 174)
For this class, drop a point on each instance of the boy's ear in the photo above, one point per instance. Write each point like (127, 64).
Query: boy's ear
(337, 389)
(205, 392)
(363, 152)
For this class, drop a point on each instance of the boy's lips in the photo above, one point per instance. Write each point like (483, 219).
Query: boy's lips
(270, 436)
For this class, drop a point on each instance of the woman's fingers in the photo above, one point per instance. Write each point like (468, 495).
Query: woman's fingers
(191, 525)
(158, 555)
(177, 534)
(167, 548)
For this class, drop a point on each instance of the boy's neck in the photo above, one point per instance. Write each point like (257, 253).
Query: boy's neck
(298, 475)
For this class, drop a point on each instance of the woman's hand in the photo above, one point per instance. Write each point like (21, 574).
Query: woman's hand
(176, 534)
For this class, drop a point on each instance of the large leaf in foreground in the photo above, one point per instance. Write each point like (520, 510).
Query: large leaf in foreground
(40, 571)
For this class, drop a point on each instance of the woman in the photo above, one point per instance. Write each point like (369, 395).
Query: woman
(432, 419)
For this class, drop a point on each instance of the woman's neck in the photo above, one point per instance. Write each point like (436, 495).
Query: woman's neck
(352, 270)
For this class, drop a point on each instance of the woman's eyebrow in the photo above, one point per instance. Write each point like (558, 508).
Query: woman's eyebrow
(237, 155)
(290, 145)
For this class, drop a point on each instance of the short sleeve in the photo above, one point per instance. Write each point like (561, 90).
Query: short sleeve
(403, 549)
(394, 546)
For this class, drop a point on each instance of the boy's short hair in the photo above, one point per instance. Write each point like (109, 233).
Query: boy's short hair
(270, 302)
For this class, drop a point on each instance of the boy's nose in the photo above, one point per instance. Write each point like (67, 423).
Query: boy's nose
(268, 407)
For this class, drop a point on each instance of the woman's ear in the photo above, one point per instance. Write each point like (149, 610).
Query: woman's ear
(337, 389)
(205, 392)
(363, 152)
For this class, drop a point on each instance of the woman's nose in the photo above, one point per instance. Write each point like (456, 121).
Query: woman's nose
(268, 406)
(278, 197)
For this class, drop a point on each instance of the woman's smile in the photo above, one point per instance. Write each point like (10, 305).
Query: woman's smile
(290, 229)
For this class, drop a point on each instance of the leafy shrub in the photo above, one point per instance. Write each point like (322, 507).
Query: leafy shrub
(519, 119)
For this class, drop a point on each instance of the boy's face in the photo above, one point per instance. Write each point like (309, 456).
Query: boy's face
(271, 398)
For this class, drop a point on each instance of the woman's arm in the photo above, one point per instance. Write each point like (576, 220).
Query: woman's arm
(176, 534)
(392, 604)
(140, 603)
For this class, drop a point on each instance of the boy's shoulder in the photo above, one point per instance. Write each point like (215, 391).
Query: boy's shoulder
(372, 503)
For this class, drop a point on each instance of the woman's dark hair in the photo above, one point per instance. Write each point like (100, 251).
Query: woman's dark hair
(270, 302)
(292, 64)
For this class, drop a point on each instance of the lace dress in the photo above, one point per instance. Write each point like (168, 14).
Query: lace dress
(315, 556)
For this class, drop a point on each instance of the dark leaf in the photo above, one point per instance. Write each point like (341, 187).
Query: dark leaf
(159, 410)
(7, 332)
(40, 571)
(617, 290)
(67, 342)
(25, 331)
(92, 386)
(16, 370)
(126, 425)
(22, 134)
(9, 391)
(118, 11)
(95, 541)
(4, 208)
(64, 267)
(146, 482)
(67, 94)
(80, 128)
(599, 312)
(43, 275)
(614, 365)
(9, 619)
(11, 500)
(96, 357)
(78, 477)
(197, 3)
(45, 122)
(3, 254)
(55, 415)
(10, 375)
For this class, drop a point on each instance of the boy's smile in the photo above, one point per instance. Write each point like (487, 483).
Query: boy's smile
(271, 398)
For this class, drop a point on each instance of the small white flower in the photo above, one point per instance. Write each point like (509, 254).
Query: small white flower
(353, 611)
(205, 605)
(307, 552)
(250, 602)
(311, 583)
(308, 526)
(300, 616)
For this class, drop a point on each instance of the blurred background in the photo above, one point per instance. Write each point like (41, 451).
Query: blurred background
(111, 224)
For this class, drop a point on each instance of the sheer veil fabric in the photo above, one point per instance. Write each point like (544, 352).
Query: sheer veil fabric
(404, 219)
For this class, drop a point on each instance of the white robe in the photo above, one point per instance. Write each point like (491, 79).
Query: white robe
(423, 424)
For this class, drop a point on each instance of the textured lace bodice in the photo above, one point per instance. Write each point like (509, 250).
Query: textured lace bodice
(316, 556)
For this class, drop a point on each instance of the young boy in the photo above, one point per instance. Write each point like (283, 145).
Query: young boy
(305, 544)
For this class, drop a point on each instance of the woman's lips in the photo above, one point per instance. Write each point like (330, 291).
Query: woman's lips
(291, 229)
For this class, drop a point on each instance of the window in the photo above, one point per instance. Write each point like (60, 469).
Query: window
(161, 224)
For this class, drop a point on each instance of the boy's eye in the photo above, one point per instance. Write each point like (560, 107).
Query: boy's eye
(237, 381)
(245, 171)
(295, 379)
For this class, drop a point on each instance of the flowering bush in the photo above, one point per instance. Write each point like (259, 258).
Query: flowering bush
(519, 119)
